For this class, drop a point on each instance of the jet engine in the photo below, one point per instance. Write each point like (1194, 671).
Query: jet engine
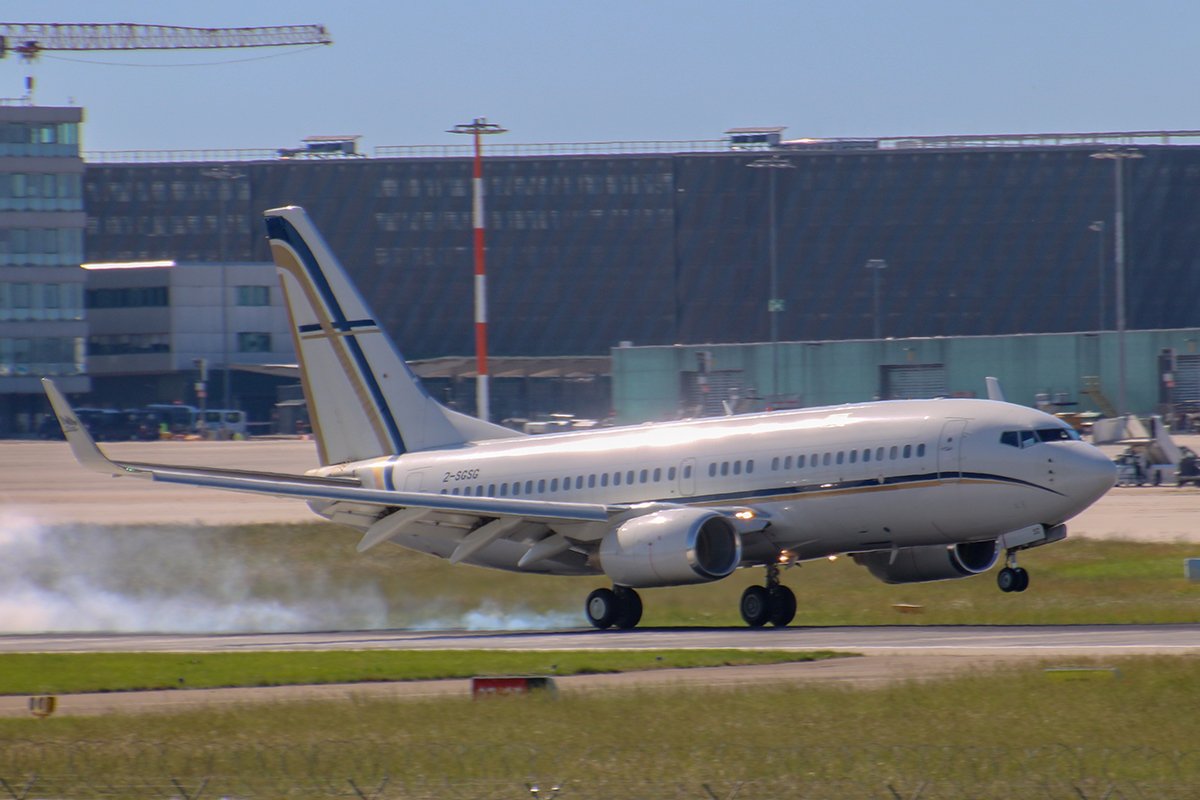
(671, 547)
(930, 563)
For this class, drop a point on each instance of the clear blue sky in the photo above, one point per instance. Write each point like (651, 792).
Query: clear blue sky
(567, 70)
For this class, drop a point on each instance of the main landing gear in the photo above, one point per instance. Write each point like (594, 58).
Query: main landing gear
(1012, 578)
(773, 603)
(619, 607)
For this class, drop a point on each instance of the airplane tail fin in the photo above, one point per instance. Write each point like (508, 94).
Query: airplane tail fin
(363, 400)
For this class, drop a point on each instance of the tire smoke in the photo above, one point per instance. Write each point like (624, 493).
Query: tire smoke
(160, 579)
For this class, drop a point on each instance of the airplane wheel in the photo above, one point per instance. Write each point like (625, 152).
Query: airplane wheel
(1008, 580)
(756, 606)
(630, 604)
(602, 608)
(1022, 579)
(782, 603)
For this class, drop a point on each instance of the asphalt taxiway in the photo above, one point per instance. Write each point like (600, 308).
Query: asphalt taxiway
(1011, 640)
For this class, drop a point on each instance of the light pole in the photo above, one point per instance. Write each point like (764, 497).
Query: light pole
(775, 304)
(478, 128)
(1098, 228)
(877, 266)
(1119, 158)
(224, 176)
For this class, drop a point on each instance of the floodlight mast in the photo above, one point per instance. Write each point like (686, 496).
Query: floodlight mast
(479, 128)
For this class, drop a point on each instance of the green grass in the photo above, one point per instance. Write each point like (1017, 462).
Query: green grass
(986, 735)
(1077, 581)
(59, 673)
(309, 577)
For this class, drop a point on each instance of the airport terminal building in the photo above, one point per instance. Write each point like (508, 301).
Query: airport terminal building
(594, 246)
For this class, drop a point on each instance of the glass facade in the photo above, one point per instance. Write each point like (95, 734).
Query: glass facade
(47, 355)
(42, 313)
(585, 252)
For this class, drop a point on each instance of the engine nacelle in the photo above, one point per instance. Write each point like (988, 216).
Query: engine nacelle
(670, 548)
(930, 563)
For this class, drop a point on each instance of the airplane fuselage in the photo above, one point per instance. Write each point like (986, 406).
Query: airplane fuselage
(853, 478)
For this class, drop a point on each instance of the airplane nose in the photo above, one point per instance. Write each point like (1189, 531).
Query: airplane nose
(1089, 474)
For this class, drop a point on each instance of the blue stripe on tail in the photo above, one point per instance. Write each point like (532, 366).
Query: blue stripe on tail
(280, 229)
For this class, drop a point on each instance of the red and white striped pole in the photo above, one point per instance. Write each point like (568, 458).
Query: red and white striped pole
(478, 128)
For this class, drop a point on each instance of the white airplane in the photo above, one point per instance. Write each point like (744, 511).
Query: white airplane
(914, 490)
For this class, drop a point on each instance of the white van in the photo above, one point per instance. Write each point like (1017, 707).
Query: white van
(224, 423)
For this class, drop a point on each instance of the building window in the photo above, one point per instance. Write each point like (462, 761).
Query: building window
(253, 342)
(254, 295)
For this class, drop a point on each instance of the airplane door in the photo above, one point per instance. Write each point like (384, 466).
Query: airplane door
(687, 477)
(949, 453)
(412, 481)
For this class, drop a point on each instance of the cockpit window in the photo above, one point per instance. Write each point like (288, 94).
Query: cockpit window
(1028, 438)
(1057, 434)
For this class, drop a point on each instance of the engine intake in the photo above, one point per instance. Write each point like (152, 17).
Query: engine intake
(930, 563)
(670, 548)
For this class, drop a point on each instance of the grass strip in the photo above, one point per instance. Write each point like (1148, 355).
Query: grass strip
(1018, 731)
(65, 673)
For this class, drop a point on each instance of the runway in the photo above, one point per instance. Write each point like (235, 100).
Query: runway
(1009, 641)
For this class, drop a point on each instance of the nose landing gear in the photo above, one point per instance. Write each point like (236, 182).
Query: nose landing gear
(773, 603)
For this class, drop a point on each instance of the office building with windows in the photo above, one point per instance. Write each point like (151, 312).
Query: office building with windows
(42, 325)
(152, 326)
(591, 246)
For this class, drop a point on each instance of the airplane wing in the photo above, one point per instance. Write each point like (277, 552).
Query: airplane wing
(385, 513)
(310, 487)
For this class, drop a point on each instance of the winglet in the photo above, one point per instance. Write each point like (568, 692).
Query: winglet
(993, 389)
(83, 447)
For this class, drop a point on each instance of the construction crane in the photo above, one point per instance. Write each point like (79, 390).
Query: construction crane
(30, 39)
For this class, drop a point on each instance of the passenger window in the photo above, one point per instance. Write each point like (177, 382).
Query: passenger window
(542, 485)
(657, 474)
(750, 466)
(629, 477)
(528, 487)
(554, 484)
(724, 468)
(853, 456)
(775, 464)
(671, 473)
(908, 451)
(737, 468)
(592, 481)
(920, 451)
(841, 457)
(827, 460)
(644, 476)
(616, 480)
(787, 463)
(604, 479)
(712, 470)
(687, 471)
(491, 490)
(893, 453)
(866, 455)
(504, 490)
(799, 462)
(879, 454)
